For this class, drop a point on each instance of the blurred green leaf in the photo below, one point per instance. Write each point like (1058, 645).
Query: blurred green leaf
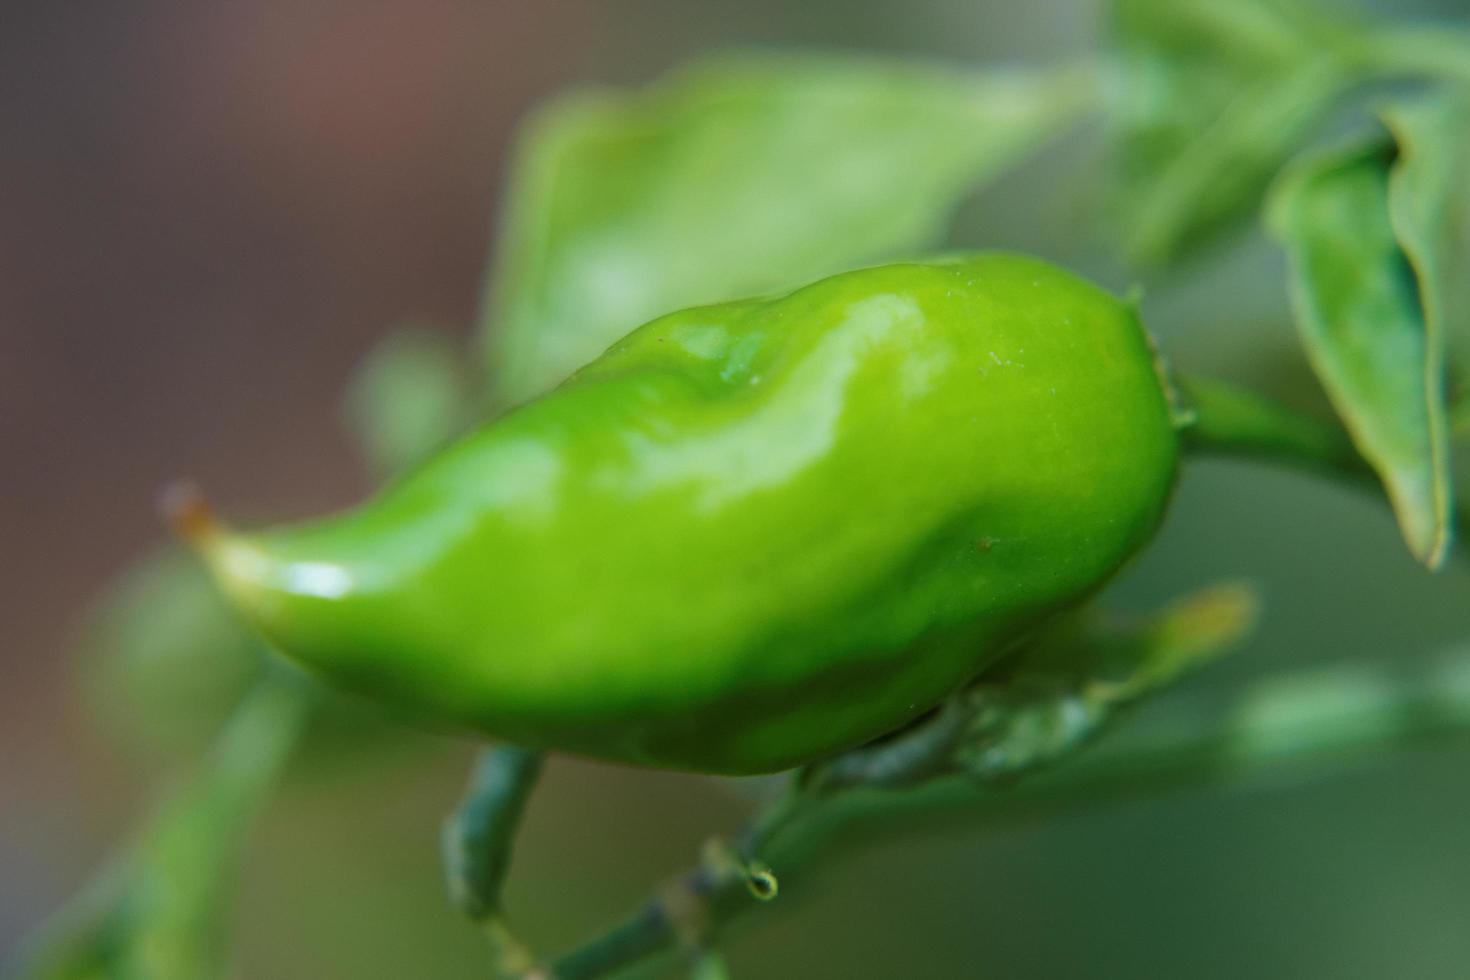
(160, 911)
(1132, 656)
(1429, 205)
(409, 396)
(165, 659)
(1360, 319)
(709, 965)
(1215, 98)
(1052, 699)
(737, 176)
(1064, 691)
(1427, 51)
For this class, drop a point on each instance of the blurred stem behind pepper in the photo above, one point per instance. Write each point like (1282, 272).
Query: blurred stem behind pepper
(1307, 723)
(160, 910)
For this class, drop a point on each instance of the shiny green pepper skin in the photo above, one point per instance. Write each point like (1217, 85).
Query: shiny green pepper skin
(748, 535)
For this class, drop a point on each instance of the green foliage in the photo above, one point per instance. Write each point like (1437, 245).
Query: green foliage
(1429, 204)
(1214, 98)
(1127, 658)
(410, 395)
(748, 174)
(1055, 697)
(1017, 721)
(734, 177)
(165, 656)
(1363, 327)
(159, 912)
(709, 966)
(1062, 693)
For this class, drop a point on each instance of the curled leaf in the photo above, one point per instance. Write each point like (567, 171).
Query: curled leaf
(1361, 320)
(1429, 206)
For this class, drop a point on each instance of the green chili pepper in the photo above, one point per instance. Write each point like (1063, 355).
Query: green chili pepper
(748, 535)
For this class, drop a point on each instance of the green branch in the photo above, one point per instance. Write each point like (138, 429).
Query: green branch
(477, 843)
(1312, 720)
(1228, 420)
(160, 910)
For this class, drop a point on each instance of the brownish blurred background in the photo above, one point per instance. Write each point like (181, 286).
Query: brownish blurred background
(210, 213)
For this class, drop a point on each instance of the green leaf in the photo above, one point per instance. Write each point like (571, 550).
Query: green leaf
(1131, 656)
(160, 910)
(1422, 51)
(1053, 698)
(1360, 318)
(164, 658)
(409, 396)
(1063, 692)
(733, 177)
(1429, 205)
(1215, 98)
(709, 965)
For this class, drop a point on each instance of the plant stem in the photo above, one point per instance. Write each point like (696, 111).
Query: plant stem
(1229, 420)
(1310, 720)
(479, 834)
(255, 745)
(160, 909)
(1233, 421)
(477, 842)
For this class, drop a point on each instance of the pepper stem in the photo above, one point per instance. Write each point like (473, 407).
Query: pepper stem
(1228, 420)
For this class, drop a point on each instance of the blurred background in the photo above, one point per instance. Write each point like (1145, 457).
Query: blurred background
(212, 211)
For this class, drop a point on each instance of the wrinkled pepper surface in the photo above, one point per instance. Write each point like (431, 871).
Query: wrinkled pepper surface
(748, 535)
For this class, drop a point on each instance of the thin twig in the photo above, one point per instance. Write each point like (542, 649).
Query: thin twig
(477, 842)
